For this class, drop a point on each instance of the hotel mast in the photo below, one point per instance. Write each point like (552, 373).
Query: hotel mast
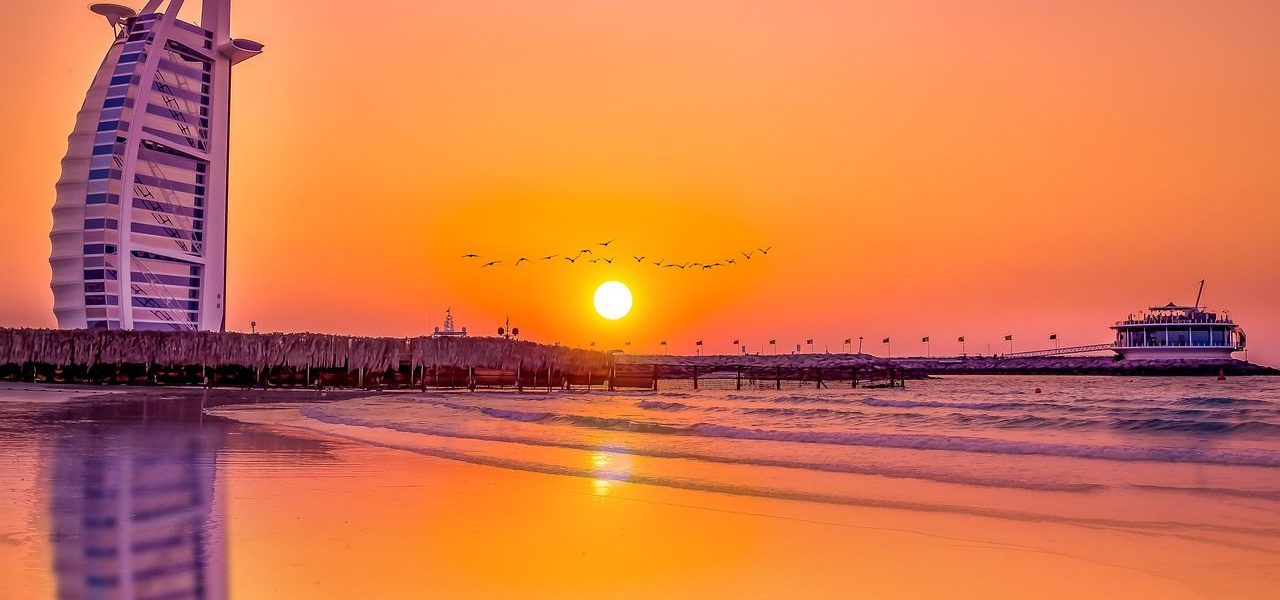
(140, 221)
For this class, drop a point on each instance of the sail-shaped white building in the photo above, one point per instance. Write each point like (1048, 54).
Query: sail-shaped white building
(140, 221)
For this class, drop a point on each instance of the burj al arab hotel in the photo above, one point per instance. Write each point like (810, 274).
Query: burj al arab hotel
(140, 221)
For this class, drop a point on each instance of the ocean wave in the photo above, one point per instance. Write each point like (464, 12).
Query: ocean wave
(658, 405)
(799, 399)
(1212, 401)
(1130, 421)
(1156, 424)
(886, 403)
(1262, 458)
(907, 441)
(325, 415)
(747, 490)
(611, 424)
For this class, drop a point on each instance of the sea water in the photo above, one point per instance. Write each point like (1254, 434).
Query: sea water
(1166, 452)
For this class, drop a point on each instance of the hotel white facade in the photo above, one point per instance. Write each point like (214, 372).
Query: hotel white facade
(140, 220)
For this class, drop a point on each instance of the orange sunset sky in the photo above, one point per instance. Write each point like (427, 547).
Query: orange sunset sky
(920, 167)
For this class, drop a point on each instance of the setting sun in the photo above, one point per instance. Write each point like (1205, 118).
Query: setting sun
(613, 300)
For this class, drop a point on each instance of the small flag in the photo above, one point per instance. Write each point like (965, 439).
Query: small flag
(925, 339)
(809, 341)
(1053, 336)
(797, 347)
(773, 342)
(699, 342)
(848, 340)
(662, 343)
(1008, 338)
(884, 341)
(593, 344)
(960, 339)
(628, 343)
(737, 343)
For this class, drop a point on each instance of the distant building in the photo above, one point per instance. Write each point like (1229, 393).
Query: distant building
(447, 329)
(140, 221)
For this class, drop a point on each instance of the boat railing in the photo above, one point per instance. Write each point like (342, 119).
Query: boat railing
(1175, 321)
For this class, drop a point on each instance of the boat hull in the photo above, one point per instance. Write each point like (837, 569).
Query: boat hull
(1175, 353)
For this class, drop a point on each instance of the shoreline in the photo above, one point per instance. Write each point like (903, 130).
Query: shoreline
(305, 511)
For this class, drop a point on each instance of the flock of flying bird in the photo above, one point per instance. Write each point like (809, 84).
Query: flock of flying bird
(590, 257)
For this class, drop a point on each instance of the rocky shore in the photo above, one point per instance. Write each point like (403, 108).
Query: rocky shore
(917, 367)
(1080, 365)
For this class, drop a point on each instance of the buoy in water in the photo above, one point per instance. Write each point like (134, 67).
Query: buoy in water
(1037, 390)
(1222, 375)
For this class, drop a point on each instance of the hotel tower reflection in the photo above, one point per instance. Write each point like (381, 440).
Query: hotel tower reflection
(135, 514)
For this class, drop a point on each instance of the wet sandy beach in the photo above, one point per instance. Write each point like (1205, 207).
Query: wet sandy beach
(276, 504)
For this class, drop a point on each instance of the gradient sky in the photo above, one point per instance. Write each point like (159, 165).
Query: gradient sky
(920, 167)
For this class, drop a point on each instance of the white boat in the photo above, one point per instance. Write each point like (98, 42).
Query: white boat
(1178, 332)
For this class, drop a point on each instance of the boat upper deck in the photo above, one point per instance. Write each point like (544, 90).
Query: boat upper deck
(1172, 314)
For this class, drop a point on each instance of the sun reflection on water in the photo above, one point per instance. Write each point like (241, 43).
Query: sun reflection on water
(608, 468)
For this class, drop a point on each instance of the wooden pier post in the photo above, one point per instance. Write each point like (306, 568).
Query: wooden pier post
(739, 377)
(695, 377)
(519, 383)
(779, 377)
(548, 378)
(612, 375)
(655, 378)
(853, 383)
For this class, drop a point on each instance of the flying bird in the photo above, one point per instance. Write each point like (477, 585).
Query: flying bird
(606, 244)
(594, 260)
(765, 250)
(550, 256)
(470, 256)
(638, 259)
(657, 263)
(731, 261)
(572, 260)
(490, 263)
(584, 251)
(747, 255)
(608, 260)
(520, 260)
